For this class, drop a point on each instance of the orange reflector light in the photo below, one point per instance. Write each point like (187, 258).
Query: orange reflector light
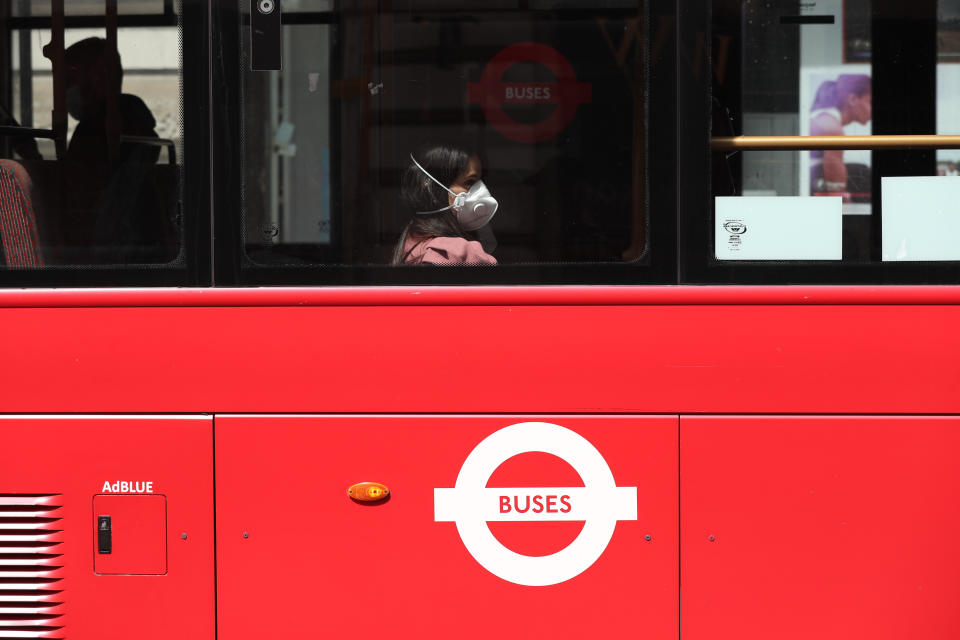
(368, 491)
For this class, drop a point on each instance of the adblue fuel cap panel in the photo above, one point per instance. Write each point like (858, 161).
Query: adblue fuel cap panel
(131, 534)
(369, 492)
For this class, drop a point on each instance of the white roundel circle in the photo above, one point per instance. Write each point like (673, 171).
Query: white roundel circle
(605, 503)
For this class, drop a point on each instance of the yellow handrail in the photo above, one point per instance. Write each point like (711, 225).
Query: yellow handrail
(800, 143)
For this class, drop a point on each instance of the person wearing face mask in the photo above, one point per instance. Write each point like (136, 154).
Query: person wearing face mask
(449, 207)
(112, 202)
(94, 79)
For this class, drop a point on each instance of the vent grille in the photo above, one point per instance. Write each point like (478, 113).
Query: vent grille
(31, 566)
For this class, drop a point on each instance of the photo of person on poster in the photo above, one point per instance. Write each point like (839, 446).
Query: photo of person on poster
(838, 102)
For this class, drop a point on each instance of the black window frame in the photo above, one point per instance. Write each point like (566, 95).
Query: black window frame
(232, 268)
(195, 267)
(681, 196)
(904, 55)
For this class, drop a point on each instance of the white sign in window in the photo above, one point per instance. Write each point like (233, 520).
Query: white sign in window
(921, 218)
(781, 228)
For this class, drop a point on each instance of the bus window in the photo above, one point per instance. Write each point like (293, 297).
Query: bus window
(20, 8)
(92, 132)
(426, 133)
(826, 165)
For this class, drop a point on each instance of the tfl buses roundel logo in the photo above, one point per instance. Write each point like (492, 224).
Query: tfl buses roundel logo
(600, 503)
(493, 92)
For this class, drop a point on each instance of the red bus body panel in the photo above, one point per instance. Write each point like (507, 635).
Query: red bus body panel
(825, 527)
(809, 430)
(621, 355)
(315, 559)
(70, 459)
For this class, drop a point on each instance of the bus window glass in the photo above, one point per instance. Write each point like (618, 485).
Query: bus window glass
(948, 82)
(92, 136)
(89, 7)
(863, 73)
(433, 132)
(307, 5)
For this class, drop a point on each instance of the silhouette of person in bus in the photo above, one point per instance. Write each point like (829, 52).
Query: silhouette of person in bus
(838, 103)
(443, 192)
(112, 201)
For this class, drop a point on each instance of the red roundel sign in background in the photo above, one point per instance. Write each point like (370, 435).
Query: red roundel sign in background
(492, 93)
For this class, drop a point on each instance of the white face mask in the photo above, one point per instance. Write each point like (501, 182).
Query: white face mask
(474, 208)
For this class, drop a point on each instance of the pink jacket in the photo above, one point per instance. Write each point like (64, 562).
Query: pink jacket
(445, 251)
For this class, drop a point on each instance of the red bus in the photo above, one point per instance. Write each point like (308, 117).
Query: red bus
(517, 318)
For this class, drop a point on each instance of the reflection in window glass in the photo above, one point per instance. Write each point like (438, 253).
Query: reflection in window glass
(813, 69)
(802, 69)
(96, 173)
(948, 82)
(287, 145)
(535, 116)
(807, 72)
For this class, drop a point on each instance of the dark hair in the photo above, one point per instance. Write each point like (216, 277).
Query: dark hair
(419, 193)
(833, 93)
(90, 52)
